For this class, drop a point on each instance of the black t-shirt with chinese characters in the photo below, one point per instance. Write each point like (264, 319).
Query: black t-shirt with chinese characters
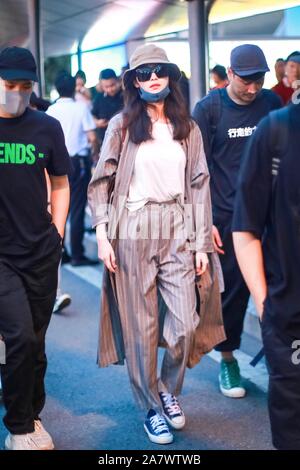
(29, 144)
(268, 205)
(225, 144)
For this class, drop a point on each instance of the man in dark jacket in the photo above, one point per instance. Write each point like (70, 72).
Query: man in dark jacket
(266, 227)
(108, 103)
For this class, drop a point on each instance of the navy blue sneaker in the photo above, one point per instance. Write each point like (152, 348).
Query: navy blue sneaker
(172, 410)
(157, 428)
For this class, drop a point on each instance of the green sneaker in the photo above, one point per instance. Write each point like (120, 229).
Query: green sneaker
(230, 380)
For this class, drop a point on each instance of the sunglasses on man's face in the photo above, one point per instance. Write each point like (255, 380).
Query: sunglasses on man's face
(143, 74)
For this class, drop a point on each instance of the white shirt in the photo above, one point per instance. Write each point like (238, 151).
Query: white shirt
(159, 169)
(75, 119)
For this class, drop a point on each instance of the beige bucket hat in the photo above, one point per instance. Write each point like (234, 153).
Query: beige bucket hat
(149, 54)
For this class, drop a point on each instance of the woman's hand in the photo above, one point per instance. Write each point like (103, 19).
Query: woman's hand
(217, 241)
(105, 250)
(201, 263)
(107, 255)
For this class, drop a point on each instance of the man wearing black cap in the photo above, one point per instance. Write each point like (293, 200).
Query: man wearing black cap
(227, 118)
(108, 103)
(30, 245)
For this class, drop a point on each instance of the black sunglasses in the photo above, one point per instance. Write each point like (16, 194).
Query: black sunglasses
(143, 74)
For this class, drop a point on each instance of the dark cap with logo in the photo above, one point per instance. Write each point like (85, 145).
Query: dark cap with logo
(248, 59)
(17, 63)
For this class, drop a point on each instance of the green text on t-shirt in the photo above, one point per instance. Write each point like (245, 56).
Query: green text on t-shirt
(18, 153)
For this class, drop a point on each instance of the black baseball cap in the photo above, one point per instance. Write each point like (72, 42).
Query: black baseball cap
(248, 59)
(17, 63)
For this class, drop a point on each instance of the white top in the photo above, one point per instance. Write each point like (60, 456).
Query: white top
(75, 119)
(159, 169)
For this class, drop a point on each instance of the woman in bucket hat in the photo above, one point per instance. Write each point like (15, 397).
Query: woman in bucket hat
(153, 237)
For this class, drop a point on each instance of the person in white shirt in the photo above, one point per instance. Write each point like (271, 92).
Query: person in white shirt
(79, 130)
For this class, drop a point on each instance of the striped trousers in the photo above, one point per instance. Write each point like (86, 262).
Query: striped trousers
(152, 253)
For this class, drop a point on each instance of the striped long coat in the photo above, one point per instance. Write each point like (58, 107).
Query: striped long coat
(117, 159)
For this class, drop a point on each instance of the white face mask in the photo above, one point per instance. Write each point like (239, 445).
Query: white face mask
(14, 102)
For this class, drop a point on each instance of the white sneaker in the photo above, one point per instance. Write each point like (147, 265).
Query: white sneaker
(40, 439)
(20, 442)
(61, 302)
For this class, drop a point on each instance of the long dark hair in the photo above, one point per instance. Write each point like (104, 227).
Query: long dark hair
(137, 119)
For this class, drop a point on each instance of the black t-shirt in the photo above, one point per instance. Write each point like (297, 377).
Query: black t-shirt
(29, 144)
(105, 107)
(225, 144)
(268, 205)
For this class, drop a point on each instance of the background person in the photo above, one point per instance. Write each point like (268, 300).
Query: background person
(290, 82)
(219, 76)
(108, 103)
(79, 130)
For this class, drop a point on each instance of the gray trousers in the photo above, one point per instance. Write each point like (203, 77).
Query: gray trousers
(152, 252)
